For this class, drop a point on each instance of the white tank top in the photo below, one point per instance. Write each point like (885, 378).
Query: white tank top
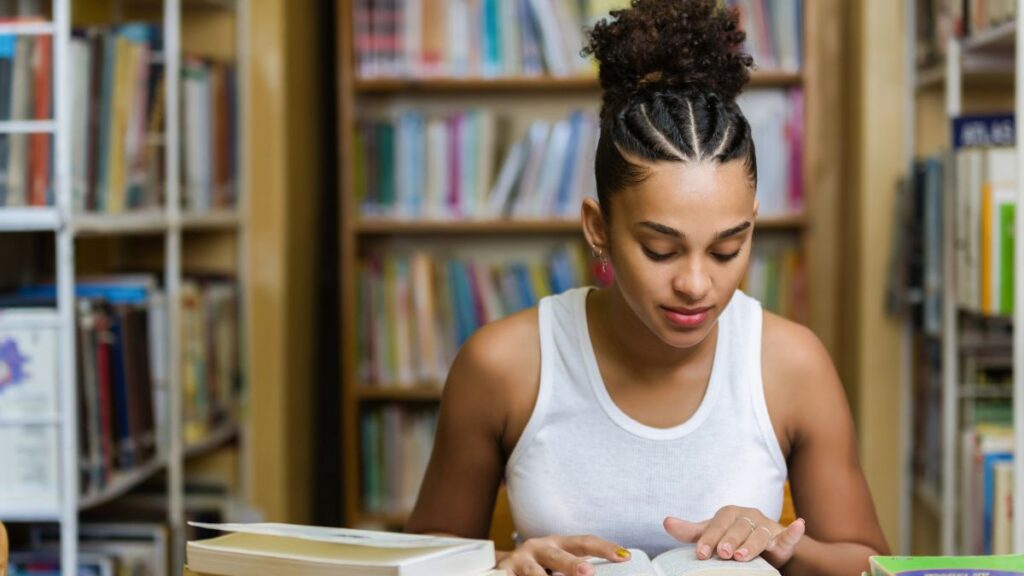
(582, 466)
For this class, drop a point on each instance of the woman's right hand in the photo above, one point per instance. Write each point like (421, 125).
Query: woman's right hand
(565, 554)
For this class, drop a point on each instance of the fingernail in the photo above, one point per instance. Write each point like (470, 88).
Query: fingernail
(704, 551)
(583, 570)
(622, 553)
(726, 550)
(741, 553)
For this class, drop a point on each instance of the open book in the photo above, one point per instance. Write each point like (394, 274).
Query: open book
(683, 561)
(286, 549)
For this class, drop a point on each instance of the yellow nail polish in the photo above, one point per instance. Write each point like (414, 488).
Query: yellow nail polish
(622, 553)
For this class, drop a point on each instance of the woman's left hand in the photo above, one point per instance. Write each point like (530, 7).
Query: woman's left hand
(740, 534)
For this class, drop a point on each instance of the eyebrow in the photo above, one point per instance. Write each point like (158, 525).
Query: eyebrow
(669, 231)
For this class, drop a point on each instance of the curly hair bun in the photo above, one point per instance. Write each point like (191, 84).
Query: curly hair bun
(683, 45)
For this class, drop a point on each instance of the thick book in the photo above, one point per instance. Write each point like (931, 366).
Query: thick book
(682, 561)
(284, 549)
(1008, 565)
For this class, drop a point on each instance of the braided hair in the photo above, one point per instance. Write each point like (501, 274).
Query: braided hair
(670, 71)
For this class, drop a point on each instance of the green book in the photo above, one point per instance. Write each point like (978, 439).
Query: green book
(1006, 224)
(1008, 565)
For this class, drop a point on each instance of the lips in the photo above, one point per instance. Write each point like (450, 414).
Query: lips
(686, 317)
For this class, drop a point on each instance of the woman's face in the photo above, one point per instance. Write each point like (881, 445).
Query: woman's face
(680, 244)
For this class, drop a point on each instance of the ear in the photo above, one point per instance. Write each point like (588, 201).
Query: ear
(757, 206)
(595, 229)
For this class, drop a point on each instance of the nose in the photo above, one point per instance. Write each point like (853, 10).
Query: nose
(691, 280)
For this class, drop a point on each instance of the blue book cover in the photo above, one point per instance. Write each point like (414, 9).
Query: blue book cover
(115, 294)
(125, 444)
(989, 480)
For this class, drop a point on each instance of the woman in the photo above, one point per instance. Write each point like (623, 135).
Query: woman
(667, 407)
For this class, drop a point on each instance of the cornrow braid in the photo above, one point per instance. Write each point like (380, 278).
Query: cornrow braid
(670, 127)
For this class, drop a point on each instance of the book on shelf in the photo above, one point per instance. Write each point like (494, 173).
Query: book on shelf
(987, 489)
(489, 38)
(445, 167)
(417, 308)
(396, 444)
(682, 561)
(118, 122)
(30, 475)
(132, 548)
(940, 20)
(47, 563)
(776, 277)
(26, 93)
(774, 32)
(776, 118)
(211, 373)
(255, 549)
(1002, 565)
(985, 200)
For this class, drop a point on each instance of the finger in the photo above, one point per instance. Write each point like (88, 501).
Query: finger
(555, 558)
(738, 532)
(756, 543)
(594, 546)
(788, 538)
(713, 533)
(684, 530)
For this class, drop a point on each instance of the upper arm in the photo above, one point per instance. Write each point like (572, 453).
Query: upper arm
(467, 462)
(827, 482)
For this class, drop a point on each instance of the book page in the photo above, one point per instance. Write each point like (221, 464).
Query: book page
(342, 535)
(638, 565)
(683, 560)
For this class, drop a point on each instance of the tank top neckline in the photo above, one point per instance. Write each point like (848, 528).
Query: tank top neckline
(612, 410)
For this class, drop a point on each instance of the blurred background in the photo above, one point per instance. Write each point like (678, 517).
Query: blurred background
(241, 241)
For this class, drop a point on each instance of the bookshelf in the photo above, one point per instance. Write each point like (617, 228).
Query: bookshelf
(523, 99)
(979, 76)
(167, 238)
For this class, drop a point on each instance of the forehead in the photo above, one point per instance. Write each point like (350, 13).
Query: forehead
(689, 196)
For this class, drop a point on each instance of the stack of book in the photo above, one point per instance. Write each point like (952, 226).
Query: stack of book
(104, 550)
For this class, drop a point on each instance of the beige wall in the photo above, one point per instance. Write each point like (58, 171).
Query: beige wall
(872, 345)
(283, 184)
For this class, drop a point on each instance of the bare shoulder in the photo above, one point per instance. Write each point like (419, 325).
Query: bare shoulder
(800, 379)
(496, 374)
(792, 350)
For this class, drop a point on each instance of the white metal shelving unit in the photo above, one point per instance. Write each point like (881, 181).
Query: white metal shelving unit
(172, 224)
(991, 53)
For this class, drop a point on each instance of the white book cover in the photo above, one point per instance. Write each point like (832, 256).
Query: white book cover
(484, 160)
(28, 363)
(767, 111)
(81, 55)
(30, 475)
(436, 179)
(551, 171)
(552, 45)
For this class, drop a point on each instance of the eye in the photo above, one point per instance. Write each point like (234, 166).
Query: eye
(657, 256)
(725, 257)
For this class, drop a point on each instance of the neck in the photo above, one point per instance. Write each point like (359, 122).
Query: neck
(632, 343)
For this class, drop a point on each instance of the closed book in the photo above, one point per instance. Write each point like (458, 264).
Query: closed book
(1009, 565)
(282, 549)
